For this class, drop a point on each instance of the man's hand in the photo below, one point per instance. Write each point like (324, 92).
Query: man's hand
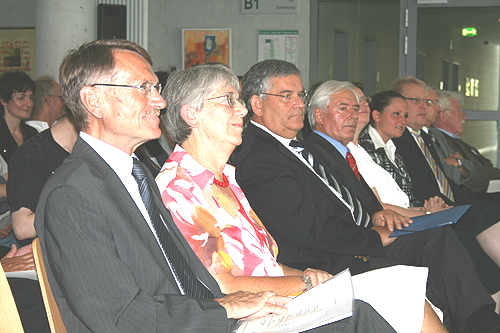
(18, 260)
(6, 231)
(389, 218)
(244, 304)
(316, 276)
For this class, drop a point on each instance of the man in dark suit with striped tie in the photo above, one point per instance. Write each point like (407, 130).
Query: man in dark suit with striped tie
(315, 218)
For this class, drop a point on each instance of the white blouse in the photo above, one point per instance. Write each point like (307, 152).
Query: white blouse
(377, 177)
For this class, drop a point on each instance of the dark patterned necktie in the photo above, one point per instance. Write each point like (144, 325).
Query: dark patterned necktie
(438, 173)
(352, 163)
(185, 278)
(361, 218)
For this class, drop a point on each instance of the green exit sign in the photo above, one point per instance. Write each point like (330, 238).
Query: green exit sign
(469, 32)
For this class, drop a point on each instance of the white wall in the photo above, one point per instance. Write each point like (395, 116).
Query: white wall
(167, 18)
(17, 13)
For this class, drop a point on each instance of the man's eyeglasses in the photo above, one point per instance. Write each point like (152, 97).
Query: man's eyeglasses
(146, 87)
(231, 100)
(290, 98)
(56, 96)
(366, 99)
(461, 112)
(418, 101)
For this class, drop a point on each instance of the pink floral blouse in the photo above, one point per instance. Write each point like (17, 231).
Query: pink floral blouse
(226, 239)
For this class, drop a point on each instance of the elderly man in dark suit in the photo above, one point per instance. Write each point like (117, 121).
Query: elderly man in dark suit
(450, 124)
(317, 221)
(115, 260)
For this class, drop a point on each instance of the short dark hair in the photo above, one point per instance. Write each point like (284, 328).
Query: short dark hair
(381, 100)
(82, 66)
(256, 80)
(192, 87)
(14, 82)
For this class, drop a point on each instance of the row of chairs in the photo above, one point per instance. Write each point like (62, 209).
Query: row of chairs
(9, 317)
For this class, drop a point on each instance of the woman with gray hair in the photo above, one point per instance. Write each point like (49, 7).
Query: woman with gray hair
(204, 117)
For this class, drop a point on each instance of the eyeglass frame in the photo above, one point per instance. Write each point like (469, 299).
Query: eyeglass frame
(462, 112)
(231, 100)
(302, 95)
(142, 87)
(418, 101)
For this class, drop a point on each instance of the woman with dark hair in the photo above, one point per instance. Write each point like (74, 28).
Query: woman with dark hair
(16, 96)
(378, 162)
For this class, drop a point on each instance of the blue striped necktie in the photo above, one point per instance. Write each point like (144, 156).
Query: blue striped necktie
(438, 173)
(361, 217)
(185, 278)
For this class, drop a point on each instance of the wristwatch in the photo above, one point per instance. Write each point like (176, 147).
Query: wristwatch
(459, 161)
(307, 280)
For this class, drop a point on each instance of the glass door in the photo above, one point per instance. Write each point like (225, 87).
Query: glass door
(457, 48)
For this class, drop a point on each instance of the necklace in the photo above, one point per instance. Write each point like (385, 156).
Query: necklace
(223, 183)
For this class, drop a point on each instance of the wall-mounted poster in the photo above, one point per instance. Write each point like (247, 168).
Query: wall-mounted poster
(201, 46)
(17, 51)
(279, 44)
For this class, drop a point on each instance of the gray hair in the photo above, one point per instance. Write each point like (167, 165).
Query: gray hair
(44, 85)
(257, 80)
(322, 96)
(445, 98)
(192, 87)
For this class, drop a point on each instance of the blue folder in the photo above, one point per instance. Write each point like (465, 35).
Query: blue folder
(431, 221)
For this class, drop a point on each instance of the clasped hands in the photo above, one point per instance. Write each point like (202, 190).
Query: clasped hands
(244, 304)
(17, 260)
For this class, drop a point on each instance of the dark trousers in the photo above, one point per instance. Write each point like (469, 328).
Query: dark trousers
(453, 284)
(29, 302)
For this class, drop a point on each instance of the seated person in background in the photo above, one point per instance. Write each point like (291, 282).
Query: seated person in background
(30, 167)
(454, 165)
(450, 123)
(383, 168)
(379, 163)
(482, 219)
(16, 97)
(115, 260)
(205, 116)
(47, 103)
(318, 221)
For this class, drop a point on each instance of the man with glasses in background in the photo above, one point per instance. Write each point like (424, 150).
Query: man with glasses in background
(450, 123)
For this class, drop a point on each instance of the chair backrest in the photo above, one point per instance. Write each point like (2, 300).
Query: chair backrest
(9, 317)
(53, 314)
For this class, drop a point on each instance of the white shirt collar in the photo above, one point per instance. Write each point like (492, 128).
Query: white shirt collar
(389, 147)
(284, 141)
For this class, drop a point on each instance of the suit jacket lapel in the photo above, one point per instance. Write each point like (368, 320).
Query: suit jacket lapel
(343, 172)
(254, 130)
(122, 199)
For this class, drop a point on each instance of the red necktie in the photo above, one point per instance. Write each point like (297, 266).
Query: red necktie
(352, 163)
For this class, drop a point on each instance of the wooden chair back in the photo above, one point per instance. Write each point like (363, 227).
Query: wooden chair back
(9, 317)
(53, 314)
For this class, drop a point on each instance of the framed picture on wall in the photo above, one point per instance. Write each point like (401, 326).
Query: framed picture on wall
(17, 51)
(201, 46)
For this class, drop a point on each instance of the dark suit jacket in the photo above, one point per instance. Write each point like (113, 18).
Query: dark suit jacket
(340, 168)
(424, 181)
(104, 266)
(312, 227)
(484, 170)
